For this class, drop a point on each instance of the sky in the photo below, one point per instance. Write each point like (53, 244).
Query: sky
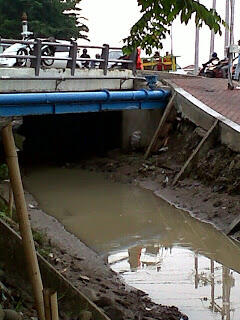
(110, 21)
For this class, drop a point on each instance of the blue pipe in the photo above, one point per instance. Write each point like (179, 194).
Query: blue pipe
(73, 97)
(23, 104)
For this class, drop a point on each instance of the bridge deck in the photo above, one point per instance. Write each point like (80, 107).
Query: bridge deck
(21, 80)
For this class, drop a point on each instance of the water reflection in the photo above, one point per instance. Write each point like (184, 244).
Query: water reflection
(213, 282)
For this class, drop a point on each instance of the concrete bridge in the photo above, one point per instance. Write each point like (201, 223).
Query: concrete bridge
(41, 77)
(38, 89)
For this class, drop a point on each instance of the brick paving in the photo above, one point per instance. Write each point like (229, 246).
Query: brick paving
(214, 93)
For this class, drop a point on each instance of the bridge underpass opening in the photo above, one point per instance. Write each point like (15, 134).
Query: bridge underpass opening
(61, 138)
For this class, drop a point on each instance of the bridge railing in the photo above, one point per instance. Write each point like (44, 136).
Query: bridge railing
(39, 56)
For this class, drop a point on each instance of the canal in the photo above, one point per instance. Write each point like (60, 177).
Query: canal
(161, 250)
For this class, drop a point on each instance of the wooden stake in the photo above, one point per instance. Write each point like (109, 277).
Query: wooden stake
(24, 224)
(50, 304)
(194, 152)
(160, 126)
(47, 306)
(54, 306)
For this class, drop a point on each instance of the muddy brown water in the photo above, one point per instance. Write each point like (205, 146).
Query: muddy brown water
(161, 250)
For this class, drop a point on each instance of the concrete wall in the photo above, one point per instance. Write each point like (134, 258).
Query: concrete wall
(144, 120)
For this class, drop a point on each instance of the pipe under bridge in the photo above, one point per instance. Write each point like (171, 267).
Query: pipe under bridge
(24, 104)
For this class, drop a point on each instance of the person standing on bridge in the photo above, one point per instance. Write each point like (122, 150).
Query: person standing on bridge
(95, 64)
(85, 55)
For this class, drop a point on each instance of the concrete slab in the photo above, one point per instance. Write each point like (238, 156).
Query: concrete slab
(57, 80)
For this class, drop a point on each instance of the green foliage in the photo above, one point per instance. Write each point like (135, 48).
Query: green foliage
(2, 215)
(38, 237)
(158, 16)
(19, 306)
(3, 171)
(44, 252)
(60, 19)
(3, 209)
(43, 248)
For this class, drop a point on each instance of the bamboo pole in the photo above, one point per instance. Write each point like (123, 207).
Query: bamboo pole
(160, 126)
(10, 201)
(24, 223)
(47, 306)
(195, 151)
(50, 304)
(54, 306)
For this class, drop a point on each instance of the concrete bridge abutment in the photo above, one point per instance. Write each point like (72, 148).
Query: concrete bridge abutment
(145, 121)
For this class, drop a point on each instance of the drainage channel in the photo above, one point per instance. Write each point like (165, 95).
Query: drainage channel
(155, 247)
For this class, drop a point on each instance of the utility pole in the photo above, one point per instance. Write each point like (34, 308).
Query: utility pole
(212, 32)
(196, 60)
(171, 36)
(230, 63)
(232, 3)
(227, 20)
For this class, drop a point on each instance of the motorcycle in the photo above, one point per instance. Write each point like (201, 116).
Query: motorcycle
(215, 70)
(28, 49)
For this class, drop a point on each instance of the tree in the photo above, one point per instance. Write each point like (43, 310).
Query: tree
(158, 16)
(57, 18)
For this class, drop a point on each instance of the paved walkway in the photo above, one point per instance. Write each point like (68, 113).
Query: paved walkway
(213, 93)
